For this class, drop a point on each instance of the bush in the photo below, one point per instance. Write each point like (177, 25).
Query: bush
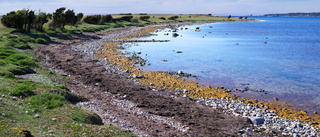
(173, 18)
(94, 19)
(125, 18)
(24, 89)
(162, 18)
(144, 17)
(41, 41)
(48, 100)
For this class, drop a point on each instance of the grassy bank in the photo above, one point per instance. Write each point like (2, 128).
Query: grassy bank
(34, 100)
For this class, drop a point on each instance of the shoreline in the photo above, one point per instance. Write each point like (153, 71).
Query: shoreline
(86, 51)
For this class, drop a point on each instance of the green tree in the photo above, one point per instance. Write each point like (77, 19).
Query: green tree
(229, 16)
(107, 18)
(79, 17)
(41, 19)
(58, 18)
(240, 17)
(70, 18)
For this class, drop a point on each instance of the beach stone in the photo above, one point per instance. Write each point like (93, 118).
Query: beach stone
(14, 98)
(257, 120)
(185, 96)
(3, 96)
(151, 84)
(54, 119)
(180, 72)
(51, 131)
(184, 91)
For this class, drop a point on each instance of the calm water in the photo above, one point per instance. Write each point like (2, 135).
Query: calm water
(229, 54)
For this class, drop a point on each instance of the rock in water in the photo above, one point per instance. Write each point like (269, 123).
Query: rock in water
(257, 120)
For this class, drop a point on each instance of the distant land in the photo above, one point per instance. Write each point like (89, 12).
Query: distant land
(312, 14)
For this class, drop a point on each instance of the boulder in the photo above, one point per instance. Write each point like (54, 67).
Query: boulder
(257, 120)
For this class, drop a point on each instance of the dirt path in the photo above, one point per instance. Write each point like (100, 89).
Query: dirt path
(134, 107)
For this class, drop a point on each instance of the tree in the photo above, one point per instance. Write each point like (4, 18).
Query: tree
(69, 18)
(30, 19)
(107, 18)
(229, 16)
(22, 19)
(246, 18)
(78, 18)
(61, 18)
(240, 17)
(58, 18)
(41, 19)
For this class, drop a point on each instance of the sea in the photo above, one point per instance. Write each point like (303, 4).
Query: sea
(277, 55)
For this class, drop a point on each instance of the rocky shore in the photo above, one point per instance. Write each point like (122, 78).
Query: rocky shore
(147, 111)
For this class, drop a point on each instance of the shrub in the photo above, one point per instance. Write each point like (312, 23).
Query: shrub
(41, 41)
(24, 89)
(125, 18)
(162, 18)
(94, 19)
(144, 17)
(173, 18)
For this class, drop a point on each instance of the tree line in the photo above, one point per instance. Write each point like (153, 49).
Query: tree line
(26, 19)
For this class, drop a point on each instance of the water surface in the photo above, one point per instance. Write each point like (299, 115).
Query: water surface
(278, 54)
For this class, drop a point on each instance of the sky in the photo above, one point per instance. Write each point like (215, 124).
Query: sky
(214, 7)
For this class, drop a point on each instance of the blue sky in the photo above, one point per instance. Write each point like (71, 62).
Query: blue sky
(216, 7)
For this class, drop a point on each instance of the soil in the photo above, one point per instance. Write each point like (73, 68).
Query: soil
(89, 79)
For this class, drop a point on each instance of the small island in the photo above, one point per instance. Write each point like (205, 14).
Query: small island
(298, 14)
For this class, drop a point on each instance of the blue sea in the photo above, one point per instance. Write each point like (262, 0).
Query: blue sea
(280, 55)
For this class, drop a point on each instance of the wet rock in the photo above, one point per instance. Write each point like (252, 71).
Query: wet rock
(151, 84)
(180, 72)
(185, 96)
(3, 96)
(175, 35)
(257, 120)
